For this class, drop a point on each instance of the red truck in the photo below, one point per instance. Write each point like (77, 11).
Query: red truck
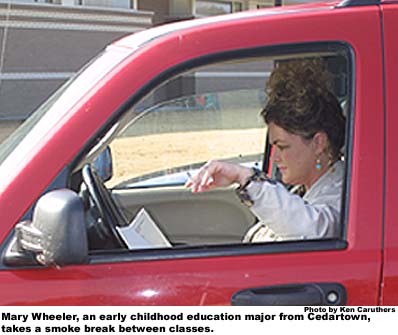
(112, 148)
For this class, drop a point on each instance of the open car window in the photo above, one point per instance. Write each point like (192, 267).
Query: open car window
(190, 120)
(209, 113)
(130, 185)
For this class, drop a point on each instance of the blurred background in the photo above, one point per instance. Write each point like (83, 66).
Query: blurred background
(44, 42)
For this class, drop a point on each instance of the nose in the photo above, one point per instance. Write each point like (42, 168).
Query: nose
(275, 155)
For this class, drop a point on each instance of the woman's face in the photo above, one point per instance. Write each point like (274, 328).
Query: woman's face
(295, 156)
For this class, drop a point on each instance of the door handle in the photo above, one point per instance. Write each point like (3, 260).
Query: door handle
(308, 294)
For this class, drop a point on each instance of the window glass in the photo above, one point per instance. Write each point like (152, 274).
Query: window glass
(237, 6)
(208, 8)
(213, 106)
(209, 113)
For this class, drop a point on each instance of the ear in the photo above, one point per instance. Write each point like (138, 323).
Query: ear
(320, 142)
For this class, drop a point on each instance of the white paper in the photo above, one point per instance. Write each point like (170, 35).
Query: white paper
(143, 233)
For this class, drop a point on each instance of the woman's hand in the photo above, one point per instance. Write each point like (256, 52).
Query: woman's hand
(218, 174)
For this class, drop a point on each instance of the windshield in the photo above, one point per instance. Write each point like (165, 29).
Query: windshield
(57, 106)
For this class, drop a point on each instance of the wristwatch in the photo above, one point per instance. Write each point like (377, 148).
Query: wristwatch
(256, 176)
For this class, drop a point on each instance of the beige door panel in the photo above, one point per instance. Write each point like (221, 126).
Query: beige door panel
(201, 218)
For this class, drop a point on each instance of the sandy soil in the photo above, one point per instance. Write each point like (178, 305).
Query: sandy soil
(138, 155)
(135, 156)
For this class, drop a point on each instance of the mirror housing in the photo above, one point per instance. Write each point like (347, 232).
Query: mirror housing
(56, 236)
(103, 164)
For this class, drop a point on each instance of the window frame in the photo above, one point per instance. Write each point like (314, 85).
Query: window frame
(99, 257)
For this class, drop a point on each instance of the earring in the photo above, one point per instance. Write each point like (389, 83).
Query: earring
(318, 164)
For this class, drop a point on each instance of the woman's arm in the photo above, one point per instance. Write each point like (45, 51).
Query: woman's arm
(218, 174)
(290, 216)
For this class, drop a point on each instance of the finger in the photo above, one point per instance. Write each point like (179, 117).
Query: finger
(192, 181)
(207, 182)
(205, 178)
(202, 178)
(208, 186)
(196, 182)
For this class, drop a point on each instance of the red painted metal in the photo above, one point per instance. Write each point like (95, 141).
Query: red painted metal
(389, 285)
(384, 2)
(214, 280)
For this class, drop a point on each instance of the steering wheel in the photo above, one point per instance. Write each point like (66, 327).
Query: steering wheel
(109, 214)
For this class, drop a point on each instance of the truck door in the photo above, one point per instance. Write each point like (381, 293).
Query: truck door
(207, 269)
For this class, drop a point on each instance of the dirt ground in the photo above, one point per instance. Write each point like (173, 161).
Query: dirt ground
(139, 155)
(135, 156)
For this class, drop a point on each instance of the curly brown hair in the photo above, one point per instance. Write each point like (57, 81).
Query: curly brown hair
(300, 100)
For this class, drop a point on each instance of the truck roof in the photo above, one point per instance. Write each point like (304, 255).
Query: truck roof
(137, 40)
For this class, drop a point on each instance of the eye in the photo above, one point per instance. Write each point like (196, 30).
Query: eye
(282, 147)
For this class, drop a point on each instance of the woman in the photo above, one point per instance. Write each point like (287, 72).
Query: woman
(306, 128)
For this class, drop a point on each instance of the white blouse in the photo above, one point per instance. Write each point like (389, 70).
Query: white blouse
(286, 216)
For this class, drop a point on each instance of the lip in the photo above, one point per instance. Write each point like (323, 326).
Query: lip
(282, 168)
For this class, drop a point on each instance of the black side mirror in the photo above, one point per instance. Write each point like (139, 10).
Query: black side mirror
(56, 236)
(103, 164)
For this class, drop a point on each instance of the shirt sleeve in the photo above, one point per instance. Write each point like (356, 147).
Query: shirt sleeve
(290, 216)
